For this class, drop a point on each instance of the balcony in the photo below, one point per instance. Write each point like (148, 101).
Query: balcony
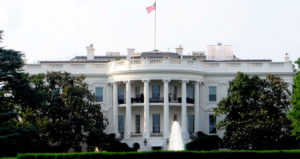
(136, 135)
(156, 100)
(156, 134)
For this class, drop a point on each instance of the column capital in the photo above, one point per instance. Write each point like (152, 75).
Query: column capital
(223, 83)
(146, 80)
(127, 81)
(202, 83)
(184, 81)
(166, 80)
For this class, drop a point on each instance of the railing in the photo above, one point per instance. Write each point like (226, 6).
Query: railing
(135, 135)
(156, 100)
(161, 64)
(156, 134)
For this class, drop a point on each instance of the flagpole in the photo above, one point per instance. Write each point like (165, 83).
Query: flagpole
(155, 27)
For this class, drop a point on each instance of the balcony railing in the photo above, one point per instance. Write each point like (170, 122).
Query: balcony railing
(135, 135)
(156, 134)
(156, 100)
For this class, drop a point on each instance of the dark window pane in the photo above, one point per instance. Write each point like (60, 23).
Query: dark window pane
(191, 123)
(156, 123)
(156, 92)
(99, 94)
(190, 92)
(212, 124)
(121, 124)
(212, 93)
(137, 124)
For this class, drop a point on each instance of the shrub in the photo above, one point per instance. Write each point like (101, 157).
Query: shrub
(246, 154)
(204, 142)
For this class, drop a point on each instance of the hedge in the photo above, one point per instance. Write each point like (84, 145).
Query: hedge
(243, 154)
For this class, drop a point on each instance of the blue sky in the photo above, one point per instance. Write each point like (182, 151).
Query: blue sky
(60, 29)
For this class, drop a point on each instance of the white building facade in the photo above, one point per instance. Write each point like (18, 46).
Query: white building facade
(143, 93)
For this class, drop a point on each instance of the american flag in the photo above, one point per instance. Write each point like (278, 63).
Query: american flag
(151, 8)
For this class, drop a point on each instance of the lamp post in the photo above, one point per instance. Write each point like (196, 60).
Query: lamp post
(145, 142)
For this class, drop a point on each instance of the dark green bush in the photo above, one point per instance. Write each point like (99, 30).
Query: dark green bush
(273, 154)
(204, 142)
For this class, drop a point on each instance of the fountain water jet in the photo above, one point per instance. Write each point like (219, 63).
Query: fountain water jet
(176, 142)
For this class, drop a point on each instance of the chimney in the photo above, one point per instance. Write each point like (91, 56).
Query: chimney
(179, 50)
(286, 57)
(90, 52)
(130, 51)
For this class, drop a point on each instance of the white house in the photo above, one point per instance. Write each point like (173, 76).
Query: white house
(143, 93)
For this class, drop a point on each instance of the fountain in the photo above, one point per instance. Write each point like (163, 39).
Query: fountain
(176, 142)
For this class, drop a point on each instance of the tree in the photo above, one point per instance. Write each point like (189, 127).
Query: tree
(69, 113)
(294, 114)
(204, 142)
(255, 113)
(15, 95)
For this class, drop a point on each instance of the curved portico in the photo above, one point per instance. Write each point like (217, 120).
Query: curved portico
(155, 103)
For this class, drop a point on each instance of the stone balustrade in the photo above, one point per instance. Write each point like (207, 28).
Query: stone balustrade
(162, 64)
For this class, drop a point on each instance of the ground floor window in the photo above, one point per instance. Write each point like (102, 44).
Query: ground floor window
(137, 124)
(156, 123)
(121, 124)
(212, 124)
(191, 123)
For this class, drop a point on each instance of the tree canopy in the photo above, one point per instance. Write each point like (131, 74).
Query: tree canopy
(69, 112)
(15, 95)
(294, 114)
(255, 113)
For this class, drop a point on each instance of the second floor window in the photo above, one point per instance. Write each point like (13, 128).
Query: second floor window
(137, 91)
(121, 95)
(174, 93)
(99, 94)
(190, 92)
(155, 92)
(212, 93)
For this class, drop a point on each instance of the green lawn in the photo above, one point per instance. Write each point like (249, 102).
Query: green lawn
(8, 157)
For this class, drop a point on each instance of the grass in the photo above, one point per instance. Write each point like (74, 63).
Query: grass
(8, 157)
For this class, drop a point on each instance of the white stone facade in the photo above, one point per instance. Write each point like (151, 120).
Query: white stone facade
(142, 95)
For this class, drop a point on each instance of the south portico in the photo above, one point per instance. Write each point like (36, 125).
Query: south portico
(149, 105)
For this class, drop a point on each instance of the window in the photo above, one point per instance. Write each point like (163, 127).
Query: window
(190, 92)
(212, 93)
(212, 124)
(121, 95)
(174, 93)
(155, 92)
(191, 123)
(175, 117)
(121, 124)
(156, 123)
(99, 94)
(137, 124)
(137, 91)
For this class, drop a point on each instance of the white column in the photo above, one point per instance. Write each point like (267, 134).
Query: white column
(115, 109)
(146, 133)
(183, 109)
(128, 110)
(166, 108)
(197, 107)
